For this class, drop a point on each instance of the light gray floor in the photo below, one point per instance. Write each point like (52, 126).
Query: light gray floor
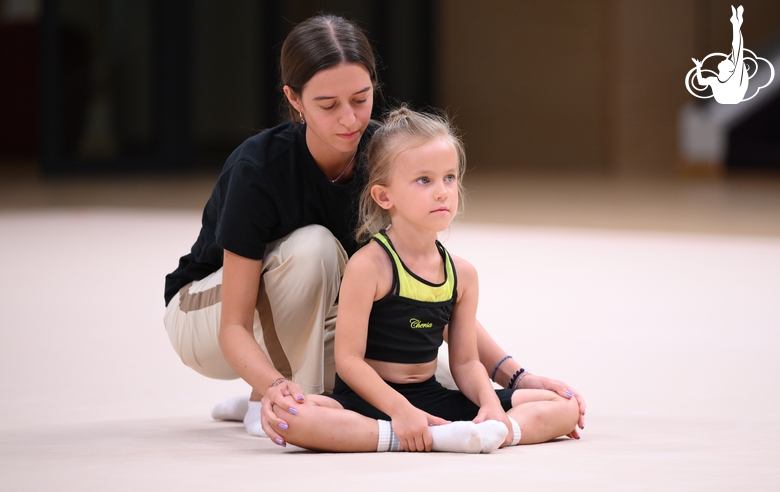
(671, 336)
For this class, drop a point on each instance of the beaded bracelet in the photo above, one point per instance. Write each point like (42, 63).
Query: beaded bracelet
(524, 374)
(495, 369)
(517, 377)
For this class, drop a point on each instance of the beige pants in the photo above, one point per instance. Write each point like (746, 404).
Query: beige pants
(295, 314)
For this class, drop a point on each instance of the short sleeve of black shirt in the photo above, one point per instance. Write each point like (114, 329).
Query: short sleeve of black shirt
(269, 187)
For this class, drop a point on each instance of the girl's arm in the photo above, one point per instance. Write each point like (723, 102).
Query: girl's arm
(359, 288)
(240, 284)
(467, 370)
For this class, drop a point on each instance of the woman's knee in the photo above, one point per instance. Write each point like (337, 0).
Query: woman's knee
(194, 336)
(312, 251)
(313, 246)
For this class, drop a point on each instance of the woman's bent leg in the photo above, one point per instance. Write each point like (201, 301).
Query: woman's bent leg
(296, 304)
(543, 415)
(294, 320)
(192, 322)
(294, 317)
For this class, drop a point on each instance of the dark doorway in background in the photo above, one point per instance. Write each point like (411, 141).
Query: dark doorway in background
(138, 86)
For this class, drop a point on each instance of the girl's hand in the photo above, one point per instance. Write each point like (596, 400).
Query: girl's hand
(532, 381)
(286, 396)
(411, 427)
(492, 412)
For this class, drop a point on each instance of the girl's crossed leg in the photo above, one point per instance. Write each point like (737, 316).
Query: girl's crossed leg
(543, 415)
(322, 424)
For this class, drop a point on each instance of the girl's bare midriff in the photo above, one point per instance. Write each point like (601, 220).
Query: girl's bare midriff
(396, 372)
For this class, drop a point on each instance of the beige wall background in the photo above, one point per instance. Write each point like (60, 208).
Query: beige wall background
(592, 86)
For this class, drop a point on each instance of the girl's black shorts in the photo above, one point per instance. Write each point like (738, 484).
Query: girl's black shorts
(429, 396)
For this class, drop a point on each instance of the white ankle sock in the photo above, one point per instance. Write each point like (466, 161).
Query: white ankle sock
(516, 430)
(492, 433)
(231, 409)
(457, 437)
(387, 439)
(252, 422)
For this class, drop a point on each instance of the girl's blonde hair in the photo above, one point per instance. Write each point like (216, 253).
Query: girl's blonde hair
(403, 129)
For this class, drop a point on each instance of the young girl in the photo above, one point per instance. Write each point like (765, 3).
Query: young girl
(398, 295)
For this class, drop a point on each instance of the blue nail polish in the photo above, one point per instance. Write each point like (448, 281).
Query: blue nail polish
(293, 411)
(283, 426)
(300, 398)
(280, 442)
(569, 394)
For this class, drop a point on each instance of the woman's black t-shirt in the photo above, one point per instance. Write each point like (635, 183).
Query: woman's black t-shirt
(269, 187)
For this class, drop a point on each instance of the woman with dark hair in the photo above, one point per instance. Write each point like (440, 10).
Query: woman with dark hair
(256, 297)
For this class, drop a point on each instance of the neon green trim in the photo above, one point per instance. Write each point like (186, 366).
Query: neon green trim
(411, 288)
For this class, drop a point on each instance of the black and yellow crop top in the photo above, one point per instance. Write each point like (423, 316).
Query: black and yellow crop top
(406, 325)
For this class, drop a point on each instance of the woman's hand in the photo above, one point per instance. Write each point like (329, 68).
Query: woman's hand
(286, 395)
(410, 425)
(532, 381)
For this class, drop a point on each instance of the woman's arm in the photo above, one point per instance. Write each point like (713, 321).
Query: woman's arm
(359, 289)
(240, 284)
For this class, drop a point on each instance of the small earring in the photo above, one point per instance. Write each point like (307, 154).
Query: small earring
(301, 120)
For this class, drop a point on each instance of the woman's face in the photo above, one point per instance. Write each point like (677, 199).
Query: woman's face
(336, 104)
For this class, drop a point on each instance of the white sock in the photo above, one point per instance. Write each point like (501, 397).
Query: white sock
(492, 433)
(252, 422)
(457, 437)
(231, 409)
(516, 430)
(388, 441)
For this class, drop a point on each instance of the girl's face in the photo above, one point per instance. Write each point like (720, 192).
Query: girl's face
(423, 188)
(336, 104)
